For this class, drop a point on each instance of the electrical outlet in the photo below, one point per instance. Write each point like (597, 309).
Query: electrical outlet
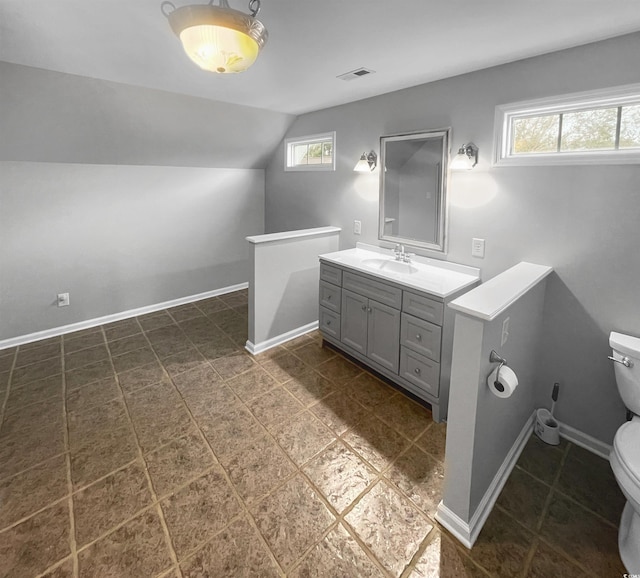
(63, 299)
(505, 332)
(477, 248)
(357, 227)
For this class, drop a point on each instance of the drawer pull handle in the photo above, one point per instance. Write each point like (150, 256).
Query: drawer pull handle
(328, 297)
(417, 370)
(369, 309)
(364, 307)
(419, 337)
(328, 322)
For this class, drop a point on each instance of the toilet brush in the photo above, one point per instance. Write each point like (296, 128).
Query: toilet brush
(546, 427)
(554, 397)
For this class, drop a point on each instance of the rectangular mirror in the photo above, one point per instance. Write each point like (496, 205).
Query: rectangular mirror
(413, 188)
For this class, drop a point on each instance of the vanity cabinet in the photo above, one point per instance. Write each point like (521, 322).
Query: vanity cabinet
(402, 333)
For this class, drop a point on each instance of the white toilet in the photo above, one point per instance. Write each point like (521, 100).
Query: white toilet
(625, 456)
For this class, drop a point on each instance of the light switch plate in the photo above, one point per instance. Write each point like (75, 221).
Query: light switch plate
(477, 248)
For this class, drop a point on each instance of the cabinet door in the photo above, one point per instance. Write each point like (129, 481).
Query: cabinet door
(383, 343)
(353, 324)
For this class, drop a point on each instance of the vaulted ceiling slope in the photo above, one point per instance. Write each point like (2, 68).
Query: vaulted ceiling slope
(406, 43)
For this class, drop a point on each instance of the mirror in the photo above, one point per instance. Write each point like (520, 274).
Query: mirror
(413, 184)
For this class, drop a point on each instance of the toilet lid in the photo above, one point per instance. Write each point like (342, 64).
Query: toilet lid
(626, 444)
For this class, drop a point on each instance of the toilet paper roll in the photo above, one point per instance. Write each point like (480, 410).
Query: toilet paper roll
(507, 383)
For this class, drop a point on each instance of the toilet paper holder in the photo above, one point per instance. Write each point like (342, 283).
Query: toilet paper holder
(494, 357)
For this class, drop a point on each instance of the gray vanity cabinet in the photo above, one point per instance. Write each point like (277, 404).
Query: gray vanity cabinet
(371, 329)
(404, 334)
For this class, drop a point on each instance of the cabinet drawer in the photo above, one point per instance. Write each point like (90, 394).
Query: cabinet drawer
(421, 336)
(330, 296)
(423, 307)
(330, 274)
(380, 292)
(420, 371)
(329, 323)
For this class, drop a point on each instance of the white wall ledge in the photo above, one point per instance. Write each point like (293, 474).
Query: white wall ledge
(490, 299)
(273, 237)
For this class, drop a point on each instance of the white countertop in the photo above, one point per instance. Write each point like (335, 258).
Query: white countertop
(491, 298)
(439, 278)
(271, 237)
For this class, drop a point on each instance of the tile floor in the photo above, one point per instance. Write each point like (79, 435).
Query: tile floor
(156, 446)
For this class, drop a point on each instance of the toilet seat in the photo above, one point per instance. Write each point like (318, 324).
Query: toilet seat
(626, 446)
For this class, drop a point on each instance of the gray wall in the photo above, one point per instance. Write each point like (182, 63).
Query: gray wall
(122, 196)
(582, 220)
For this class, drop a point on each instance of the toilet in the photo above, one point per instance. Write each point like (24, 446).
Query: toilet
(625, 455)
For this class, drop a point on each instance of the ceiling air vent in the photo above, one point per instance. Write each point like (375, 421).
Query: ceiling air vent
(357, 73)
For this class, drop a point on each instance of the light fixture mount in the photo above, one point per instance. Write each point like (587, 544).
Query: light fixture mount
(367, 162)
(218, 38)
(466, 157)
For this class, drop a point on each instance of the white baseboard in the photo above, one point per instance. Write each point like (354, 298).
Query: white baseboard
(585, 441)
(54, 332)
(255, 348)
(467, 532)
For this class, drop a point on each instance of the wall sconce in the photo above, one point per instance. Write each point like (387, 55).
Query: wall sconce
(367, 163)
(466, 158)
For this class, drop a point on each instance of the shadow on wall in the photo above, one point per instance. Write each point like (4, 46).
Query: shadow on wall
(293, 306)
(585, 381)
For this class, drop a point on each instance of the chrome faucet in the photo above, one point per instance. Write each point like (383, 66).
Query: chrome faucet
(399, 252)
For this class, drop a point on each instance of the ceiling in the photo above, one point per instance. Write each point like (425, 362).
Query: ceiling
(406, 42)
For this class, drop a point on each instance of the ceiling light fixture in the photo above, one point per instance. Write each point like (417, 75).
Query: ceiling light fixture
(466, 158)
(367, 163)
(218, 38)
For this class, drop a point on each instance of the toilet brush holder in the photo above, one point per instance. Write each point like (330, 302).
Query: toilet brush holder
(547, 428)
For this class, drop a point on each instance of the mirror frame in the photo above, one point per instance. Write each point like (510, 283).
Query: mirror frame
(441, 237)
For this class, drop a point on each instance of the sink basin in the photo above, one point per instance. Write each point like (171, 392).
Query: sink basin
(390, 266)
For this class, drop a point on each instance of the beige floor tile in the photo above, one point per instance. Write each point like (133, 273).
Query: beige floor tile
(63, 570)
(199, 511)
(337, 555)
(291, 520)
(183, 361)
(310, 387)
(583, 536)
(37, 543)
(127, 344)
(275, 406)
(236, 552)
(88, 374)
(184, 312)
(547, 562)
(370, 391)
(133, 359)
(89, 426)
(158, 415)
(23, 450)
(176, 463)
(96, 393)
(390, 526)
(34, 392)
(155, 320)
(233, 364)
(302, 436)
(171, 345)
(434, 440)
(376, 442)
(420, 477)
(231, 433)
(196, 384)
(37, 354)
(339, 370)
(85, 357)
(541, 460)
(340, 412)
(109, 502)
(209, 306)
(79, 340)
(36, 371)
(252, 383)
(524, 497)
(442, 559)
(340, 475)
(217, 348)
(142, 376)
(285, 367)
(137, 549)
(258, 469)
(297, 342)
(503, 545)
(33, 416)
(404, 415)
(33, 489)
(121, 329)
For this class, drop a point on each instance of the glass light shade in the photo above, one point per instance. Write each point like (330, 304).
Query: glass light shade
(218, 38)
(461, 162)
(362, 166)
(219, 49)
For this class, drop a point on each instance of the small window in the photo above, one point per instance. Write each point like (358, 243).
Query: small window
(310, 153)
(593, 127)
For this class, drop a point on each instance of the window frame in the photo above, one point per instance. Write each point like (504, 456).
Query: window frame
(290, 143)
(579, 101)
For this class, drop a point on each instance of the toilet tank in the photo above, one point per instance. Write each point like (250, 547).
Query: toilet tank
(628, 378)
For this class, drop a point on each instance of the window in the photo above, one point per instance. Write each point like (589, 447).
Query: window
(590, 127)
(310, 153)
